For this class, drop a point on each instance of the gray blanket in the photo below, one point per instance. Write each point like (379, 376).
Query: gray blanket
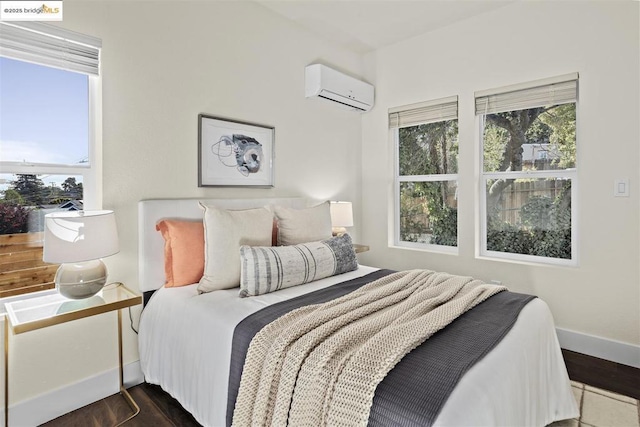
(414, 392)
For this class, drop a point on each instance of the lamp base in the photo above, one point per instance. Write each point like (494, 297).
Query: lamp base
(338, 231)
(81, 280)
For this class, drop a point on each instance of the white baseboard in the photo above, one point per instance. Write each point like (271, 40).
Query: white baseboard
(53, 404)
(614, 351)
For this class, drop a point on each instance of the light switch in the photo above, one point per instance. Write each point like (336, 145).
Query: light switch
(621, 188)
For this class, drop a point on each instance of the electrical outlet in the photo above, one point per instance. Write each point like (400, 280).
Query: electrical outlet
(621, 187)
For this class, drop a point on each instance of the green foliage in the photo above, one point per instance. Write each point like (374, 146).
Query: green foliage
(495, 142)
(536, 213)
(544, 228)
(445, 227)
(425, 211)
(562, 120)
(30, 187)
(29, 190)
(504, 134)
(544, 243)
(539, 132)
(505, 237)
(429, 149)
(412, 211)
(72, 190)
(11, 196)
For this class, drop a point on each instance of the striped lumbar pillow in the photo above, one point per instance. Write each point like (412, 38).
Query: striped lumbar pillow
(266, 269)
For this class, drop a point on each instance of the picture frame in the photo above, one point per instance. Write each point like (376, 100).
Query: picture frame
(233, 153)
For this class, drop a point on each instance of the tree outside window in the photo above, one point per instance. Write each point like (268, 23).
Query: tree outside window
(529, 161)
(44, 128)
(427, 182)
(49, 138)
(26, 199)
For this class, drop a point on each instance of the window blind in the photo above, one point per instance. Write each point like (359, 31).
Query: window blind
(51, 46)
(425, 112)
(552, 91)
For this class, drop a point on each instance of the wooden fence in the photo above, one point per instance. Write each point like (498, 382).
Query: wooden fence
(520, 192)
(513, 198)
(21, 267)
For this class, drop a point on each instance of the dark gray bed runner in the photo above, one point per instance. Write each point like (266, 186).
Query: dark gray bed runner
(415, 390)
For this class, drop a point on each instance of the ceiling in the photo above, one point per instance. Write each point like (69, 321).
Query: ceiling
(366, 25)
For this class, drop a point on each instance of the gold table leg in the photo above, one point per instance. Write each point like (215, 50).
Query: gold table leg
(6, 371)
(132, 404)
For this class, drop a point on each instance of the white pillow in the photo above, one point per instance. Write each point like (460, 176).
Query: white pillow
(268, 269)
(224, 232)
(303, 225)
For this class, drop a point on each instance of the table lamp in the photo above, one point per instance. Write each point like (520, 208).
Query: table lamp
(77, 240)
(341, 217)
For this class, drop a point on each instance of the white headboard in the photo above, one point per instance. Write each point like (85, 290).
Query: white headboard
(151, 243)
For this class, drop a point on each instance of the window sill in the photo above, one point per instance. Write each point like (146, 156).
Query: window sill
(421, 247)
(528, 260)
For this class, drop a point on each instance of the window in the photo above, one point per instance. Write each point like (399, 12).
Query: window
(426, 145)
(49, 140)
(528, 137)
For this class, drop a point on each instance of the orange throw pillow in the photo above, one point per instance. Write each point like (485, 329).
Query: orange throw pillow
(183, 251)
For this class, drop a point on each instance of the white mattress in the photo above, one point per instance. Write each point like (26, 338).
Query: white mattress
(185, 346)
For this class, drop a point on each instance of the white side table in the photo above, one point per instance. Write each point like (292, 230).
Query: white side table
(48, 310)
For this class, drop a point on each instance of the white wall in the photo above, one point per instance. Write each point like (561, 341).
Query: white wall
(163, 63)
(519, 43)
(166, 62)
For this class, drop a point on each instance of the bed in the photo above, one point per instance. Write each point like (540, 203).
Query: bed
(186, 339)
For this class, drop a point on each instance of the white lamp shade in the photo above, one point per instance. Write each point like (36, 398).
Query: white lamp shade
(341, 214)
(77, 236)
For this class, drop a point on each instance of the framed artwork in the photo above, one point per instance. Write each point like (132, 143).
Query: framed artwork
(234, 153)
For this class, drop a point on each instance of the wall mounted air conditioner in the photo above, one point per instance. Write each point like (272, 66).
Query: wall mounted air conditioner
(331, 85)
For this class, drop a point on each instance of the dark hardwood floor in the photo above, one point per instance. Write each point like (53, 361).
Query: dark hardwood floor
(158, 409)
(621, 379)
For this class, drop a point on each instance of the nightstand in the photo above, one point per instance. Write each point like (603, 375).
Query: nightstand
(48, 310)
(360, 248)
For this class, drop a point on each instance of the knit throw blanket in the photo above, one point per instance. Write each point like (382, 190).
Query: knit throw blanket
(320, 364)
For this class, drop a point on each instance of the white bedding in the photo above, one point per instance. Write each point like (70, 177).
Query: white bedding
(185, 346)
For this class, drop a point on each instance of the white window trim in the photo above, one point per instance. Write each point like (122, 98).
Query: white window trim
(86, 61)
(91, 173)
(397, 243)
(94, 179)
(572, 174)
(508, 256)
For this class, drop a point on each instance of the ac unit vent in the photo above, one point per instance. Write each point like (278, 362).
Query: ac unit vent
(334, 86)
